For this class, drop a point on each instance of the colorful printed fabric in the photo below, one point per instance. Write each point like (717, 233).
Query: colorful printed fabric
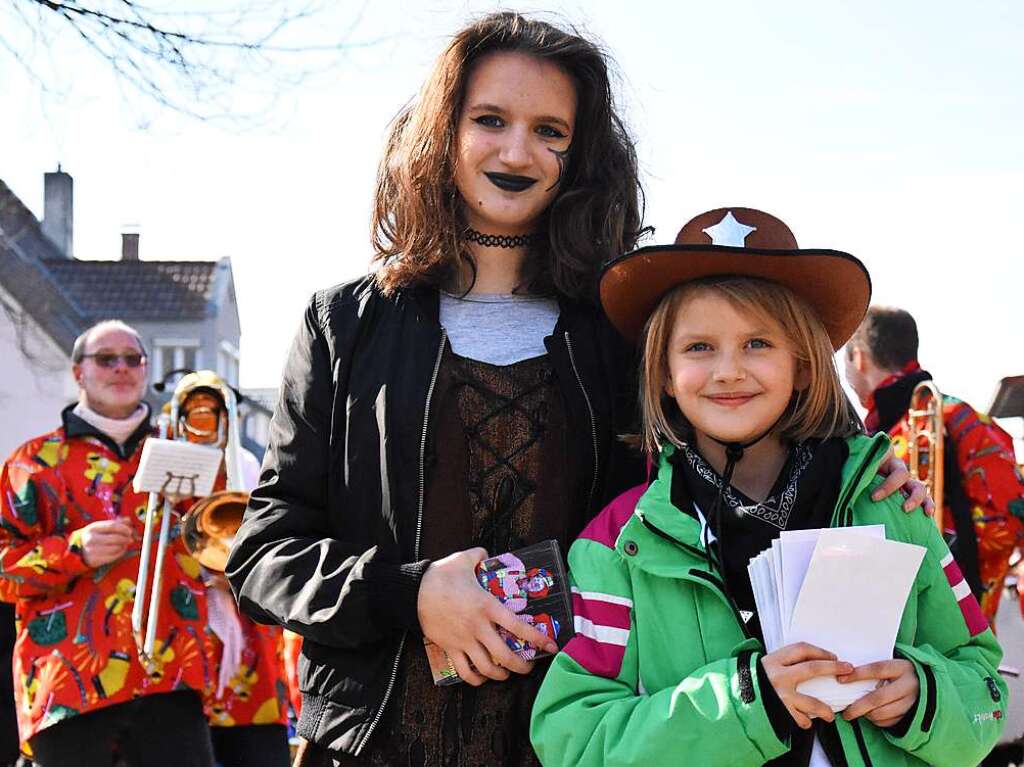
(994, 488)
(75, 651)
(292, 651)
(257, 693)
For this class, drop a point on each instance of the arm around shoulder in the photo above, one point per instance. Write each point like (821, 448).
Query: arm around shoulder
(286, 565)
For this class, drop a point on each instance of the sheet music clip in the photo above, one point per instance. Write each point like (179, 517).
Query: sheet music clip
(184, 487)
(177, 470)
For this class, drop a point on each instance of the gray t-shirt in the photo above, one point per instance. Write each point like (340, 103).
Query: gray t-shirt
(498, 328)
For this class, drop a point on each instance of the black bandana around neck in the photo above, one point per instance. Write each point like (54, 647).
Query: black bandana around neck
(803, 497)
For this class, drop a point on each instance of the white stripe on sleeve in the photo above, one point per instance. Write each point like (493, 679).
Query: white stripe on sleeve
(961, 590)
(597, 596)
(604, 634)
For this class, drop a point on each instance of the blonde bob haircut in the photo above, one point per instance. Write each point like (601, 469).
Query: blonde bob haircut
(821, 410)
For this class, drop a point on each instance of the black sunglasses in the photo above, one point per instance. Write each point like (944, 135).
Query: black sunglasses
(107, 360)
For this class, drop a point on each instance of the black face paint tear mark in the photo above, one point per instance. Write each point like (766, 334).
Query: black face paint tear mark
(562, 156)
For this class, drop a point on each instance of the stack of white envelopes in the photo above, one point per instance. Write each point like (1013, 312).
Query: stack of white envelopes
(842, 589)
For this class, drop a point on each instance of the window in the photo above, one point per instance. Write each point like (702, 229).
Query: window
(228, 362)
(257, 428)
(174, 353)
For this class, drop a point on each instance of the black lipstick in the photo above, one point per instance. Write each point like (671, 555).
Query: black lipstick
(509, 183)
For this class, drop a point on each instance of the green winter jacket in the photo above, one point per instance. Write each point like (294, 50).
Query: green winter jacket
(660, 671)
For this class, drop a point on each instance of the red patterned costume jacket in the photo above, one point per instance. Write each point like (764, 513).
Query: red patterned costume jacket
(257, 693)
(75, 651)
(988, 475)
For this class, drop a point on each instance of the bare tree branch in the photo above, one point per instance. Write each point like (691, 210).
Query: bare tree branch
(206, 59)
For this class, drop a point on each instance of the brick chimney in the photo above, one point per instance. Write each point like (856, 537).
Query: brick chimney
(58, 210)
(129, 246)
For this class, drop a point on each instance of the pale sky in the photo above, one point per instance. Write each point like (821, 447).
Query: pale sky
(892, 130)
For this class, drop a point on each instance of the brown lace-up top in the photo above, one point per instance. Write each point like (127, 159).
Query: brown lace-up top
(498, 479)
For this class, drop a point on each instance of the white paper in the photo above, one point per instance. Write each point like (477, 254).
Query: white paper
(841, 589)
(177, 468)
(851, 604)
(795, 550)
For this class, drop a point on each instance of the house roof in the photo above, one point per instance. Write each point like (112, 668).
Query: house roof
(64, 296)
(20, 227)
(25, 253)
(139, 290)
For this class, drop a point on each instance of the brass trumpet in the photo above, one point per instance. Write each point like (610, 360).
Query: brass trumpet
(926, 444)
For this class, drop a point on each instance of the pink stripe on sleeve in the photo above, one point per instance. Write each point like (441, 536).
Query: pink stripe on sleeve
(599, 658)
(952, 571)
(600, 612)
(969, 607)
(973, 616)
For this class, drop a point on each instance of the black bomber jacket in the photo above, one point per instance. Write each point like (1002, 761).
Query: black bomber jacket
(329, 546)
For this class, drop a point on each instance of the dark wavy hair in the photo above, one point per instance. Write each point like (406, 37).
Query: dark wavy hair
(597, 214)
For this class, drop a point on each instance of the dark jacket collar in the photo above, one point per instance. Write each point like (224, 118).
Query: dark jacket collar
(891, 400)
(76, 426)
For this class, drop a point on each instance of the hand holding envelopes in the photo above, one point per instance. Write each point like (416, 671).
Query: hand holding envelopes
(841, 589)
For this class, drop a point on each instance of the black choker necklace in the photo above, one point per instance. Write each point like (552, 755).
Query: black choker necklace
(500, 240)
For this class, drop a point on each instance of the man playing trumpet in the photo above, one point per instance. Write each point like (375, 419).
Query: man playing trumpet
(70, 531)
(247, 704)
(984, 491)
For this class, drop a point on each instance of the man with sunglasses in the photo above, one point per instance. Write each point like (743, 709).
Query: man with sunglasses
(70, 533)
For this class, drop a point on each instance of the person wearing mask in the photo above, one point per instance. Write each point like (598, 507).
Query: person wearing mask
(246, 706)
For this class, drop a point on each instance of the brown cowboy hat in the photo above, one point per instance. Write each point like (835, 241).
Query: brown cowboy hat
(740, 242)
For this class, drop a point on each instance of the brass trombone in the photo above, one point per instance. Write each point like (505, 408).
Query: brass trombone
(145, 640)
(210, 524)
(926, 444)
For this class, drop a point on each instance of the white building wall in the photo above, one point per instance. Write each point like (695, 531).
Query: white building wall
(36, 382)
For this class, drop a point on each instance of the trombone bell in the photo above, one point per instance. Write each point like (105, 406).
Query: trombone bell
(210, 526)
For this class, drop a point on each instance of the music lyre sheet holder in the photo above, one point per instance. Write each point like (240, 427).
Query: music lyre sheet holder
(177, 469)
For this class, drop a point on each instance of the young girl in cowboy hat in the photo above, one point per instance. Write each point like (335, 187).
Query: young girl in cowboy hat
(742, 406)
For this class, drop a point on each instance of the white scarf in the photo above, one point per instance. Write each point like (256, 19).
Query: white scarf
(118, 429)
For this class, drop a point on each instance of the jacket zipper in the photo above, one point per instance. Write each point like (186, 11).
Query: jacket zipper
(590, 411)
(419, 530)
(423, 443)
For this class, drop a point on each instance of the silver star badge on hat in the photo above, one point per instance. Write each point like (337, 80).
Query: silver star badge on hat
(729, 232)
